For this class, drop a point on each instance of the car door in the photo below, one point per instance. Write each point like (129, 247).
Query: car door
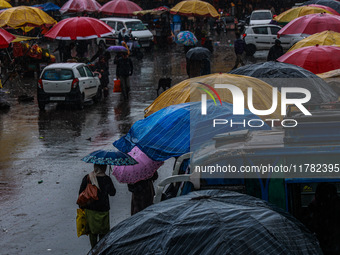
(83, 81)
(262, 37)
(284, 43)
(92, 80)
(111, 39)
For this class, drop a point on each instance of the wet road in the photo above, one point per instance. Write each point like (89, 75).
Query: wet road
(40, 152)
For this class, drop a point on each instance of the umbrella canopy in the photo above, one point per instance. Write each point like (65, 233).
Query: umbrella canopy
(191, 90)
(209, 222)
(198, 53)
(323, 38)
(195, 8)
(317, 59)
(155, 11)
(311, 24)
(4, 4)
(5, 38)
(120, 7)
(48, 7)
(333, 79)
(80, 6)
(79, 28)
(109, 157)
(117, 48)
(280, 75)
(331, 10)
(335, 5)
(186, 38)
(144, 170)
(178, 129)
(21, 16)
(294, 13)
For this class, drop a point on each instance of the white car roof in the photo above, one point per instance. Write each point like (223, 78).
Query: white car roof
(64, 65)
(261, 11)
(120, 19)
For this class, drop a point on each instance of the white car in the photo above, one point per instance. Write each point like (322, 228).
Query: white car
(260, 17)
(67, 83)
(262, 37)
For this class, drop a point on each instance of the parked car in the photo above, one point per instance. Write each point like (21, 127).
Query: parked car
(67, 83)
(262, 37)
(260, 17)
(139, 31)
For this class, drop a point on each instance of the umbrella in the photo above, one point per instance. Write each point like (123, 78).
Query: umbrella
(120, 7)
(80, 6)
(5, 38)
(311, 24)
(191, 90)
(155, 11)
(117, 48)
(109, 157)
(21, 16)
(79, 28)
(333, 79)
(4, 4)
(317, 59)
(209, 222)
(322, 38)
(294, 13)
(178, 129)
(195, 8)
(144, 170)
(280, 75)
(335, 5)
(47, 7)
(331, 10)
(198, 53)
(186, 38)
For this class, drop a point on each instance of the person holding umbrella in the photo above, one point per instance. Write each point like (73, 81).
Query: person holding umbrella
(97, 212)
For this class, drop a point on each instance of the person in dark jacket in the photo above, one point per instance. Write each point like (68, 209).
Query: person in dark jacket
(275, 51)
(102, 67)
(239, 47)
(97, 213)
(142, 194)
(123, 72)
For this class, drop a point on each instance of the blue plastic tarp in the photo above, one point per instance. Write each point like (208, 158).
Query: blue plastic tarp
(48, 7)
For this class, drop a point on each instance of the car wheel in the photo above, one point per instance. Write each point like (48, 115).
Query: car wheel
(98, 96)
(41, 105)
(80, 103)
(250, 49)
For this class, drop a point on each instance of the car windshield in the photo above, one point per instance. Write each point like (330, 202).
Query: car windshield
(261, 16)
(135, 25)
(58, 75)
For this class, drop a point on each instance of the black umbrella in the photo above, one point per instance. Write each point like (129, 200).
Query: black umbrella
(280, 74)
(209, 222)
(198, 53)
(330, 3)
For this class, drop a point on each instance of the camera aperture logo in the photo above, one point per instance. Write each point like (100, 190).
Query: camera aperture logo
(239, 102)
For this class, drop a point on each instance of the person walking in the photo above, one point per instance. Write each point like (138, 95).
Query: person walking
(97, 213)
(102, 67)
(239, 47)
(275, 51)
(123, 72)
(142, 194)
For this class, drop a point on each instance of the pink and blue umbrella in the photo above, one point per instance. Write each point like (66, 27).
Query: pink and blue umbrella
(186, 38)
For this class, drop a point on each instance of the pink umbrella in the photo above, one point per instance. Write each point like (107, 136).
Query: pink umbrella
(120, 7)
(80, 6)
(145, 168)
(311, 24)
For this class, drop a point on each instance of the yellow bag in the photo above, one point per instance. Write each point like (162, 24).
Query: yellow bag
(81, 223)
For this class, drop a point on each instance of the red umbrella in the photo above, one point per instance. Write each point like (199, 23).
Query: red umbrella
(120, 7)
(317, 59)
(79, 28)
(311, 24)
(325, 8)
(5, 38)
(80, 6)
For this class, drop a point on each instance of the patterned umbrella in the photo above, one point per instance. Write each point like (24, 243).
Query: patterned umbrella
(145, 168)
(186, 38)
(109, 157)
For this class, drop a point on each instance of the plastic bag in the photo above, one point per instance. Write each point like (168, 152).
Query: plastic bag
(116, 86)
(81, 223)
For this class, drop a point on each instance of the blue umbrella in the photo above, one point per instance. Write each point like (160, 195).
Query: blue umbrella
(186, 38)
(48, 7)
(109, 157)
(178, 129)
